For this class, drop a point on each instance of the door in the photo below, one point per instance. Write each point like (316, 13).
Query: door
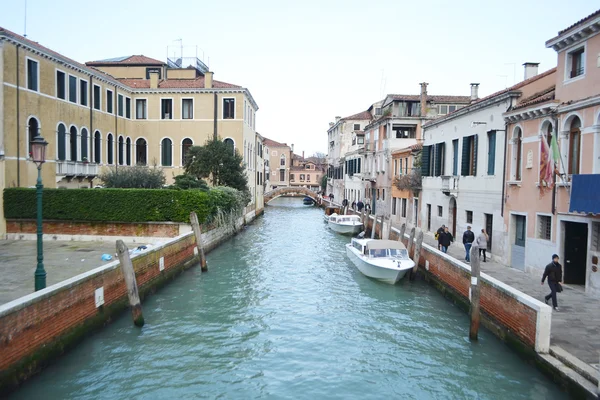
(373, 200)
(429, 217)
(489, 224)
(574, 267)
(452, 221)
(416, 212)
(518, 247)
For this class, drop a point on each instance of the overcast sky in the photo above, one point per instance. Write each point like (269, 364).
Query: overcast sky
(307, 61)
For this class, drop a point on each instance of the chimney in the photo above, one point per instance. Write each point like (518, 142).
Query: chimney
(337, 119)
(154, 80)
(303, 154)
(474, 91)
(424, 99)
(331, 124)
(208, 80)
(292, 147)
(531, 70)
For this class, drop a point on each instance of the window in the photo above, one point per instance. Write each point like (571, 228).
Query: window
(544, 227)
(61, 85)
(455, 157)
(439, 159)
(469, 217)
(73, 143)
(62, 142)
(576, 63)
(121, 150)
(443, 110)
(120, 105)
(574, 146)
(128, 151)
(301, 177)
(187, 109)
(282, 160)
(33, 129)
(595, 236)
(97, 147)
(83, 92)
(97, 97)
(109, 101)
(377, 111)
(166, 108)
(166, 146)
(230, 143)
(360, 140)
(84, 145)
(517, 153)
(382, 194)
(72, 89)
(403, 208)
(400, 171)
(308, 178)
(140, 109)
(110, 148)
(292, 177)
(491, 152)
(394, 200)
(440, 211)
(357, 127)
(229, 109)
(32, 75)
(451, 109)
(127, 107)
(469, 156)
(186, 145)
(141, 152)
(282, 175)
(404, 132)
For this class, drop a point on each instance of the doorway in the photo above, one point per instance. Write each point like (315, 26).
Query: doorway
(575, 246)
(452, 221)
(489, 224)
(429, 217)
(518, 248)
(416, 210)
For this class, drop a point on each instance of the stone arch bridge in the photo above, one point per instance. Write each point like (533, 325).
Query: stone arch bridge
(290, 191)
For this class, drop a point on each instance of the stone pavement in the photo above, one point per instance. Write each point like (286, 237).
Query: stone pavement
(575, 328)
(62, 260)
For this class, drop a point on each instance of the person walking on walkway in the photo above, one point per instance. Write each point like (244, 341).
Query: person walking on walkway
(445, 239)
(353, 205)
(438, 233)
(360, 205)
(468, 239)
(553, 272)
(482, 240)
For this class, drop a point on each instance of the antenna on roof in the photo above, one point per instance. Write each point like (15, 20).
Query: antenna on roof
(382, 85)
(25, 22)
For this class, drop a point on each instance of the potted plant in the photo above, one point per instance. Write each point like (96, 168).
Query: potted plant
(85, 160)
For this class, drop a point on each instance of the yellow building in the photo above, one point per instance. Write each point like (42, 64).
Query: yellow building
(114, 114)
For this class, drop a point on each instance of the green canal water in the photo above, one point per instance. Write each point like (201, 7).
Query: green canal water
(282, 314)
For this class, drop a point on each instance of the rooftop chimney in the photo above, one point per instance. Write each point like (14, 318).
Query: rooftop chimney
(154, 80)
(337, 119)
(424, 99)
(208, 80)
(331, 124)
(303, 154)
(531, 70)
(292, 147)
(474, 91)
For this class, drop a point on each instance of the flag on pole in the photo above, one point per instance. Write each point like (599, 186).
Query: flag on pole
(555, 151)
(546, 167)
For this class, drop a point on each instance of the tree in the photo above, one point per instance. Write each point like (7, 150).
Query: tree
(138, 177)
(324, 183)
(186, 181)
(219, 162)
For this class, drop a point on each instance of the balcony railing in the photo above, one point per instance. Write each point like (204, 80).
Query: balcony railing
(449, 184)
(76, 168)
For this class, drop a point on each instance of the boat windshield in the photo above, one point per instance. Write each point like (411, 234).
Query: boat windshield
(399, 253)
(396, 253)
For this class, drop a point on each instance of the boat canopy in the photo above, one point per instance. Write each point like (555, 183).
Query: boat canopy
(385, 244)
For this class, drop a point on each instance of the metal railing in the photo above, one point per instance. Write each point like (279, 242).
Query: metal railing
(186, 62)
(76, 168)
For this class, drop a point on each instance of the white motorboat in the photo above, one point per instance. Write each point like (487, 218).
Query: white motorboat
(345, 224)
(384, 260)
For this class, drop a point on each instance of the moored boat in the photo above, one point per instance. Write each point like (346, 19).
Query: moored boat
(345, 224)
(384, 260)
(330, 210)
(307, 201)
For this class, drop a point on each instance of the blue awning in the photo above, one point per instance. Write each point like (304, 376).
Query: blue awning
(585, 194)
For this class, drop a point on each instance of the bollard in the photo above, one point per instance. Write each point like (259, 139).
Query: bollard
(199, 245)
(132, 289)
(381, 231)
(474, 309)
(417, 254)
(374, 227)
(411, 241)
(402, 230)
(362, 216)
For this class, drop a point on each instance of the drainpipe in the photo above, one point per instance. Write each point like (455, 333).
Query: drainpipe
(504, 169)
(18, 127)
(116, 135)
(555, 120)
(215, 118)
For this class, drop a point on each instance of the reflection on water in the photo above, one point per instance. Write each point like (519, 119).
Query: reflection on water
(282, 313)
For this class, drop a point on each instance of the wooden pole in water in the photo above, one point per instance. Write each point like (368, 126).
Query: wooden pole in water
(199, 244)
(381, 231)
(130, 281)
(411, 241)
(417, 254)
(474, 309)
(374, 227)
(402, 230)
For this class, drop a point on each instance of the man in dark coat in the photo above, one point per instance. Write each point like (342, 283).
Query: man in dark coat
(553, 272)
(468, 239)
(360, 205)
(444, 239)
(438, 234)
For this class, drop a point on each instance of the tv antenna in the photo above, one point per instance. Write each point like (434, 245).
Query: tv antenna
(25, 21)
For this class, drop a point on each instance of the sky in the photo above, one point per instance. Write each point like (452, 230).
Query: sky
(306, 62)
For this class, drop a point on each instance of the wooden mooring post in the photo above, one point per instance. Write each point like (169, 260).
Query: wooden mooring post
(199, 244)
(417, 254)
(474, 293)
(411, 241)
(402, 230)
(374, 227)
(130, 281)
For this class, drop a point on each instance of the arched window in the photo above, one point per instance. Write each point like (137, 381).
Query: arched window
(282, 160)
(574, 146)
(110, 148)
(231, 143)
(33, 129)
(518, 153)
(186, 144)
(166, 152)
(62, 142)
(97, 147)
(141, 152)
(121, 150)
(84, 145)
(128, 151)
(73, 142)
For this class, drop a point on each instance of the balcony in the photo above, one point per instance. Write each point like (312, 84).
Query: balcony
(76, 169)
(450, 185)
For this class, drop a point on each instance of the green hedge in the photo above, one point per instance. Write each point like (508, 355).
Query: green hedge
(118, 205)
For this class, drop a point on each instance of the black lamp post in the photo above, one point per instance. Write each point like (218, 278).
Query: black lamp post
(38, 154)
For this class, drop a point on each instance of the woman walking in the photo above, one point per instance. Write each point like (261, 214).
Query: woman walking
(482, 240)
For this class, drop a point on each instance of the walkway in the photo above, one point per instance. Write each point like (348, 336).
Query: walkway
(574, 328)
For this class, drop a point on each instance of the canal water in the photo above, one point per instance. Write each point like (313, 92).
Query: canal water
(283, 314)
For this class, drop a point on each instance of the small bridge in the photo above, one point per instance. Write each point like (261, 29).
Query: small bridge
(290, 191)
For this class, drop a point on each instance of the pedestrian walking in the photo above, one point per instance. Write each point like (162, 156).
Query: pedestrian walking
(368, 207)
(330, 197)
(482, 240)
(360, 205)
(553, 272)
(437, 235)
(468, 239)
(353, 205)
(445, 239)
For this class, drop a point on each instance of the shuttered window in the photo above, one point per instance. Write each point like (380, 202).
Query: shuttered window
(440, 155)
(491, 152)
(425, 155)
(469, 156)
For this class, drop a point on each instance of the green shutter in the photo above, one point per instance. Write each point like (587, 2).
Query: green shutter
(475, 138)
(465, 159)
(425, 161)
(492, 153)
(437, 169)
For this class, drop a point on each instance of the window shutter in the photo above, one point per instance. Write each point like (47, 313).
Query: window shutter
(437, 169)
(492, 153)
(475, 138)
(425, 161)
(465, 159)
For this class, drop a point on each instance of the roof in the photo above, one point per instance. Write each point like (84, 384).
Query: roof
(581, 21)
(536, 98)
(197, 83)
(414, 147)
(432, 98)
(126, 60)
(360, 115)
(272, 143)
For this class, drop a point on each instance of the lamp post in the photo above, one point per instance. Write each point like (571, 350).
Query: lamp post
(38, 153)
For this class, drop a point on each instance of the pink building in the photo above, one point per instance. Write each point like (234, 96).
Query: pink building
(552, 190)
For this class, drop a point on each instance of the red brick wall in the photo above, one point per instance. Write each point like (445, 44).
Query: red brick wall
(43, 322)
(95, 228)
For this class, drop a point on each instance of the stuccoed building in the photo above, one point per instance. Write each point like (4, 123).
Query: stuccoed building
(114, 113)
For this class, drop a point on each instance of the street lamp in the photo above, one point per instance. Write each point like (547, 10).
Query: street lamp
(38, 153)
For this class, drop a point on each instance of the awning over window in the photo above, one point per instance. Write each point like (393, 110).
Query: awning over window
(585, 194)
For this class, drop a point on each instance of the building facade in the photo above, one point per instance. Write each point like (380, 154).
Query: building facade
(280, 162)
(406, 185)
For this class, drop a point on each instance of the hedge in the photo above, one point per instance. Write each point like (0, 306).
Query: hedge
(118, 205)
